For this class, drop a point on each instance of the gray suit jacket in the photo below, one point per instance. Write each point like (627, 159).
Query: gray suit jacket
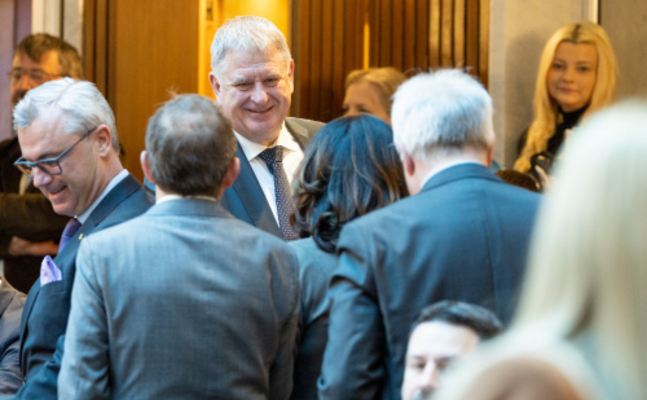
(11, 304)
(463, 237)
(245, 199)
(185, 302)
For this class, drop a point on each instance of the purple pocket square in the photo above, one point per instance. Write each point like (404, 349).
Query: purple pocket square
(49, 272)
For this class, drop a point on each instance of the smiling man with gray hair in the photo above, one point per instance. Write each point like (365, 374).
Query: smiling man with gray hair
(462, 235)
(253, 78)
(69, 145)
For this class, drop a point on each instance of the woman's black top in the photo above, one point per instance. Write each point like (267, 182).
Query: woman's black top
(570, 119)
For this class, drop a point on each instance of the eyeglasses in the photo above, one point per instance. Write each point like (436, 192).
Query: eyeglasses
(37, 75)
(50, 166)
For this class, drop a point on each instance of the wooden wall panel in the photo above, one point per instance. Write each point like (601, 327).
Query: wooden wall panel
(339, 70)
(422, 32)
(137, 52)
(459, 34)
(409, 32)
(411, 35)
(484, 41)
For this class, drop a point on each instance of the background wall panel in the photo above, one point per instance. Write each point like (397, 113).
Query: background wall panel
(411, 35)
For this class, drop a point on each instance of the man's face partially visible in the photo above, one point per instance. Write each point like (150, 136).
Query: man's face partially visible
(47, 68)
(433, 345)
(79, 184)
(254, 92)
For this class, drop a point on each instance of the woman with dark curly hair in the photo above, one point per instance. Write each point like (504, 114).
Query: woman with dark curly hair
(350, 168)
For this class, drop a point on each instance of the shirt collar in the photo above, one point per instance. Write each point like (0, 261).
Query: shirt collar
(169, 197)
(113, 182)
(252, 149)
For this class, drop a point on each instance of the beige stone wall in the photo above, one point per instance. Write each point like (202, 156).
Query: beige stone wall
(626, 23)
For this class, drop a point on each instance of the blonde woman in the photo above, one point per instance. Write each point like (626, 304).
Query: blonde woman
(577, 75)
(371, 90)
(581, 329)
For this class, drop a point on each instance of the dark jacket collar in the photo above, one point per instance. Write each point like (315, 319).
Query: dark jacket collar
(457, 172)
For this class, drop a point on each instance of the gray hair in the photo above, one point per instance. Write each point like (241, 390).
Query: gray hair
(83, 105)
(444, 112)
(190, 146)
(247, 34)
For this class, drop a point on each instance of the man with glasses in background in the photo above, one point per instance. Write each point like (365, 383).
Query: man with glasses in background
(70, 148)
(28, 225)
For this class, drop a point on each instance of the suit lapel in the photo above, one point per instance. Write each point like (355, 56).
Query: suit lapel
(298, 132)
(252, 196)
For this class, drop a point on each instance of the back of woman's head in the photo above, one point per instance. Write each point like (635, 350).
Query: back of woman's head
(545, 107)
(350, 168)
(588, 265)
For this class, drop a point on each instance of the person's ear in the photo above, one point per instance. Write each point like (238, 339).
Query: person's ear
(291, 75)
(215, 84)
(408, 165)
(146, 166)
(232, 173)
(103, 139)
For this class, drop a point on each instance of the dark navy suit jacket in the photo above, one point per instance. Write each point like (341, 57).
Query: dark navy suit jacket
(463, 237)
(46, 312)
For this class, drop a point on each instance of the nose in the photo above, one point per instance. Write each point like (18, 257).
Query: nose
(259, 96)
(352, 111)
(569, 74)
(430, 377)
(40, 179)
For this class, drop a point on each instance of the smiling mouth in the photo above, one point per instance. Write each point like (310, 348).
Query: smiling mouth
(260, 111)
(55, 192)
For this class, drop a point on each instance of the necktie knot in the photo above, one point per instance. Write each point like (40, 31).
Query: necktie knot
(272, 156)
(70, 230)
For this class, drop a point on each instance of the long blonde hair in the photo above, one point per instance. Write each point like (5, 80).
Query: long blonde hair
(545, 107)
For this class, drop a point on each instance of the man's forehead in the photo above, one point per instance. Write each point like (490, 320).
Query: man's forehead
(441, 337)
(49, 61)
(241, 60)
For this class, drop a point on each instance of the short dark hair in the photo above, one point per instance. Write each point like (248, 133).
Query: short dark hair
(517, 178)
(350, 168)
(481, 320)
(190, 145)
(35, 45)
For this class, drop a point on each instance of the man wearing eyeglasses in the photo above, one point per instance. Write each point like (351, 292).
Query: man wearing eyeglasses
(28, 225)
(70, 148)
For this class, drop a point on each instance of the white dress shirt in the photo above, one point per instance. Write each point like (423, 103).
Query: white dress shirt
(292, 157)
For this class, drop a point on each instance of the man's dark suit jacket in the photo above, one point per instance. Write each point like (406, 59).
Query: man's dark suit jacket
(29, 216)
(315, 270)
(11, 304)
(44, 319)
(463, 237)
(245, 199)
